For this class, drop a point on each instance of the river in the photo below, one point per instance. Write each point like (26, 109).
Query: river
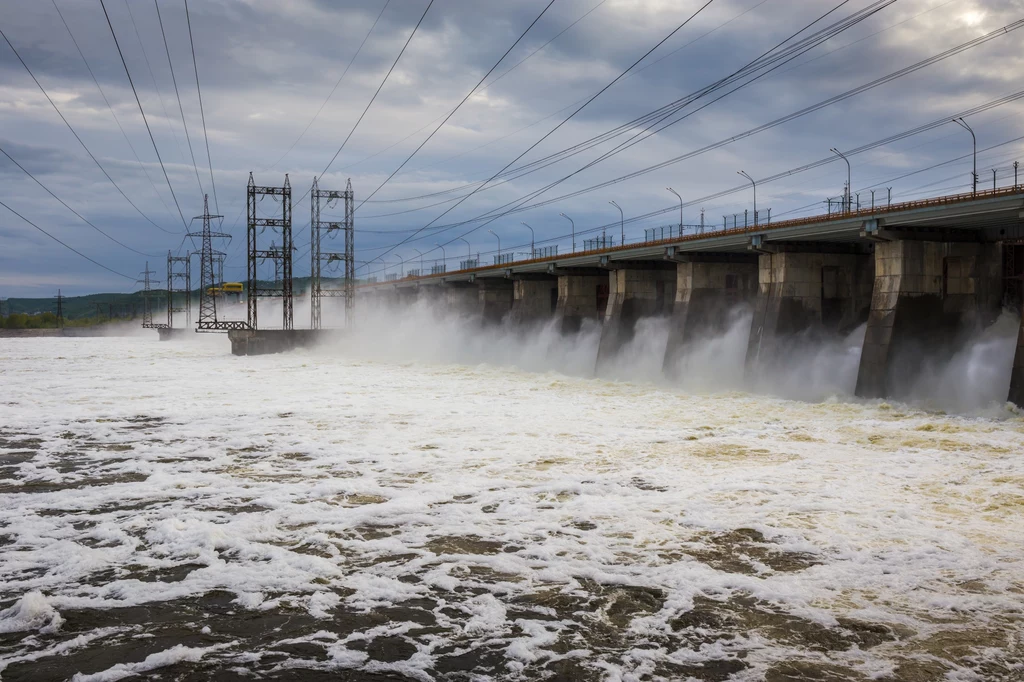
(418, 507)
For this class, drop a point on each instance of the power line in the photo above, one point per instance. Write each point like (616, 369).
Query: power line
(142, 166)
(177, 95)
(563, 122)
(119, 243)
(202, 113)
(156, 87)
(370, 103)
(141, 111)
(779, 59)
(459, 105)
(336, 84)
(75, 133)
(992, 104)
(651, 118)
(771, 124)
(66, 246)
(502, 75)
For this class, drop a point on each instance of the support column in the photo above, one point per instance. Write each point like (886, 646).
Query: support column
(535, 298)
(806, 293)
(1017, 377)
(461, 298)
(495, 296)
(928, 298)
(582, 294)
(635, 290)
(710, 289)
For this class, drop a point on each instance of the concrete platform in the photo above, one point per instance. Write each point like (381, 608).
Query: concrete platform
(167, 334)
(267, 341)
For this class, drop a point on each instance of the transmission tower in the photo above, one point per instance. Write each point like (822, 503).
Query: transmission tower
(179, 281)
(147, 308)
(326, 228)
(60, 307)
(207, 303)
(283, 253)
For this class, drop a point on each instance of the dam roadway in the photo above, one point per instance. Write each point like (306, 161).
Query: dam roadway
(923, 276)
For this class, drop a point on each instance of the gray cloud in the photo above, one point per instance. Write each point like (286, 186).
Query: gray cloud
(267, 67)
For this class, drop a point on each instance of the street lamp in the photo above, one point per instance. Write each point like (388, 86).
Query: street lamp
(533, 250)
(622, 222)
(401, 264)
(421, 259)
(469, 251)
(444, 257)
(744, 174)
(382, 262)
(974, 173)
(573, 231)
(680, 209)
(499, 243)
(849, 177)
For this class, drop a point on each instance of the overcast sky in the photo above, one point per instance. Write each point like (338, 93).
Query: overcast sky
(265, 69)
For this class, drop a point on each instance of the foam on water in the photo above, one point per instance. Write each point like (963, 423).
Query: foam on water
(376, 507)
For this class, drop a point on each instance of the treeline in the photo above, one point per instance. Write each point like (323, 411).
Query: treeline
(45, 321)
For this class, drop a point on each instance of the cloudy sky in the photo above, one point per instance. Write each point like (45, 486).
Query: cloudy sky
(266, 69)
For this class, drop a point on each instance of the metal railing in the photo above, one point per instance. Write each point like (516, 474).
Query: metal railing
(653, 234)
(545, 252)
(391, 277)
(602, 242)
(438, 269)
(469, 264)
(412, 273)
(372, 279)
(504, 258)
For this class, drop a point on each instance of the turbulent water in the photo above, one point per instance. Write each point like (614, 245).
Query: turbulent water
(415, 504)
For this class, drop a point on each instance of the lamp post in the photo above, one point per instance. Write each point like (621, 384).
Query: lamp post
(533, 251)
(444, 257)
(499, 243)
(382, 263)
(744, 174)
(469, 251)
(401, 265)
(573, 230)
(680, 209)
(849, 177)
(421, 259)
(622, 222)
(974, 140)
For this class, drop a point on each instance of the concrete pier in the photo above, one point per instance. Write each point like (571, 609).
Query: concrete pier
(635, 290)
(460, 298)
(582, 295)
(710, 288)
(534, 298)
(266, 341)
(808, 293)
(928, 298)
(495, 296)
(1017, 373)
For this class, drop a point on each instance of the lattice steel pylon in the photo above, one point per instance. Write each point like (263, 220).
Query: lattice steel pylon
(147, 308)
(318, 230)
(179, 281)
(255, 194)
(207, 304)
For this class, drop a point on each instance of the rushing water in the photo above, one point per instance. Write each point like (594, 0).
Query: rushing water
(387, 509)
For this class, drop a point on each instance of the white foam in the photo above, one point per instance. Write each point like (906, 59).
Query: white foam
(32, 611)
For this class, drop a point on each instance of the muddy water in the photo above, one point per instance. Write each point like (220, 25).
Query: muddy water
(172, 511)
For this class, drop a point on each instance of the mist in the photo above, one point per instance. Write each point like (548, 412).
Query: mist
(976, 379)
